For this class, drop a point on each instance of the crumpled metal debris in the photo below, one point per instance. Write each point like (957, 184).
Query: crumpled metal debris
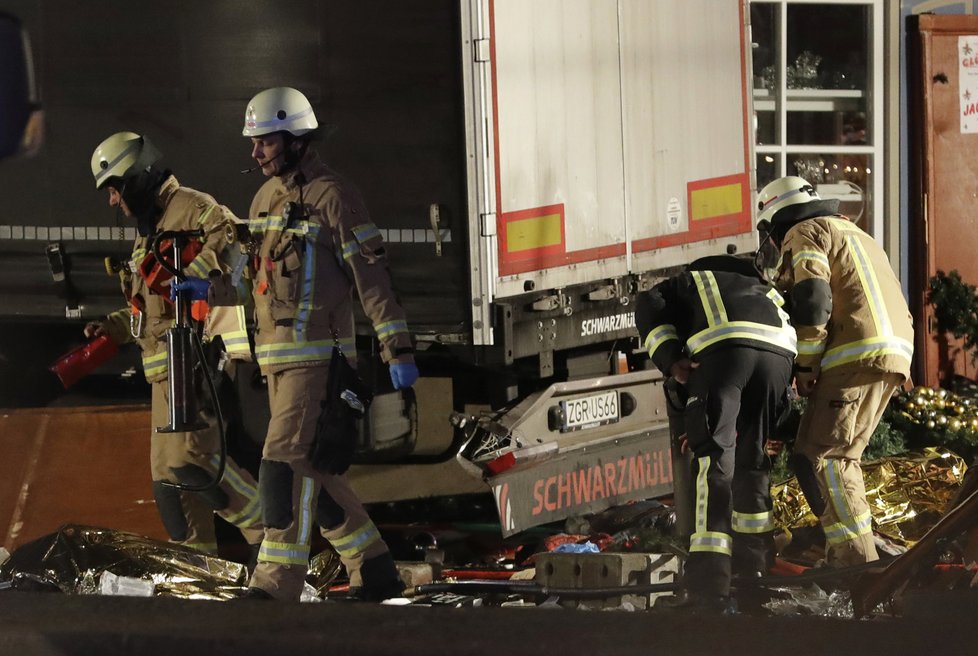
(907, 494)
(811, 600)
(73, 559)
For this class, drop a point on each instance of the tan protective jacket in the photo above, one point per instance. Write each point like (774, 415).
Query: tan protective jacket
(307, 266)
(149, 315)
(869, 327)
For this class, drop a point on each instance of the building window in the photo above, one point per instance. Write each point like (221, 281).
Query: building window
(817, 92)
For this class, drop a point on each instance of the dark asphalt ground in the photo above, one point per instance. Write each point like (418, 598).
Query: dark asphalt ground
(53, 624)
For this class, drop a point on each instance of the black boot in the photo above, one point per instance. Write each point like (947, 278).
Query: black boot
(380, 580)
(697, 603)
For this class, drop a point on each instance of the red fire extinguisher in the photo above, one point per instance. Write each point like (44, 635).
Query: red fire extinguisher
(83, 360)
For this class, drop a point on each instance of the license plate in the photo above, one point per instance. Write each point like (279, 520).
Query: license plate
(590, 411)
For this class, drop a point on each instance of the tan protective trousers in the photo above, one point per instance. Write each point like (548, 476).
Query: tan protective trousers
(174, 451)
(842, 413)
(292, 492)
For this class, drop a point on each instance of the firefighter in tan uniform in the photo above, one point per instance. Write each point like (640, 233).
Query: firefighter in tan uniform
(126, 165)
(316, 243)
(855, 344)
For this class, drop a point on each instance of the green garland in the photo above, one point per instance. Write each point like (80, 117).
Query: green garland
(955, 307)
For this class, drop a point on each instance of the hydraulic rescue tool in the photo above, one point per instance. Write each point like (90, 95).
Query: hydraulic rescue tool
(182, 344)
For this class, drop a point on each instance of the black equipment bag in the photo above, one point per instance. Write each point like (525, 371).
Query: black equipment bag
(347, 399)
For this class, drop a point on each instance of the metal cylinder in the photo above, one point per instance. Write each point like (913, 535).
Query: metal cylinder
(684, 495)
(183, 412)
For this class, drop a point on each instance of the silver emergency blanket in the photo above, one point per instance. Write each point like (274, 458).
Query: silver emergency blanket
(74, 560)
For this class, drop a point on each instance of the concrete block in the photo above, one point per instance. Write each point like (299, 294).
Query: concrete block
(606, 570)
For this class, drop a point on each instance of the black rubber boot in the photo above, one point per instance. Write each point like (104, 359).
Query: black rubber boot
(697, 604)
(380, 580)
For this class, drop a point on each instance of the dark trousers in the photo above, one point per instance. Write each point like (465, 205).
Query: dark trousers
(734, 398)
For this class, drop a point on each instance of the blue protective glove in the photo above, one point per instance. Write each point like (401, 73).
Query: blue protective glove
(195, 287)
(403, 374)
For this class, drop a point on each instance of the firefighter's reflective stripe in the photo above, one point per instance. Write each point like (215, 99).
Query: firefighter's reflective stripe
(776, 297)
(702, 494)
(350, 248)
(782, 337)
(365, 232)
(251, 513)
(389, 328)
(702, 539)
(867, 348)
(200, 266)
(357, 541)
(274, 223)
(848, 527)
(283, 553)
(306, 496)
(711, 541)
(296, 553)
(155, 364)
(810, 256)
(871, 286)
(205, 547)
(288, 352)
(713, 308)
(659, 336)
(236, 341)
(719, 328)
(306, 303)
(761, 522)
(811, 347)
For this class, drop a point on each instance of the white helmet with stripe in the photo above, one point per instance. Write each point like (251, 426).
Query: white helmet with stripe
(122, 156)
(279, 109)
(783, 192)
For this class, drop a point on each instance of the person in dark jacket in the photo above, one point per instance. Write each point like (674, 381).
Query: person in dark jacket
(719, 329)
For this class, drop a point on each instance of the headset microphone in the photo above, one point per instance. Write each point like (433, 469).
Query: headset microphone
(261, 164)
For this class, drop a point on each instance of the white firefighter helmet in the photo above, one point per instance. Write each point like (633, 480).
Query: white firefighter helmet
(279, 109)
(776, 195)
(123, 155)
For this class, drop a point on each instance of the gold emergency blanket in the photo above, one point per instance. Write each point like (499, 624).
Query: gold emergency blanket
(81, 559)
(907, 494)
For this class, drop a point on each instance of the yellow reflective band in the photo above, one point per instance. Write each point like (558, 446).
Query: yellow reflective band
(776, 297)
(702, 494)
(306, 497)
(154, 365)
(711, 541)
(206, 213)
(390, 328)
(273, 223)
(350, 248)
(782, 336)
(246, 517)
(236, 341)
(289, 352)
(365, 231)
(251, 513)
(809, 256)
(845, 532)
(811, 346)
(356, 542)
(867, 348)
(848, 527)
(871, 286)
(306, 303)
(659, 336)
(713, 308)
(761, 522)
(283, 553)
